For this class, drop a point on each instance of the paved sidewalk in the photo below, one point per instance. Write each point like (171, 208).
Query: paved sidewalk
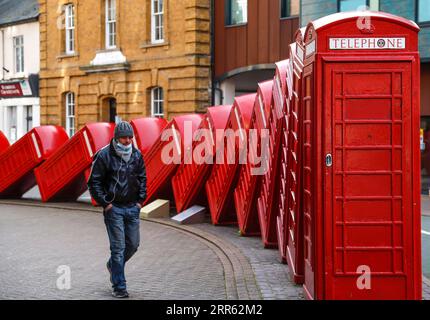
(425, 205)
(174, 262)
(35, 241)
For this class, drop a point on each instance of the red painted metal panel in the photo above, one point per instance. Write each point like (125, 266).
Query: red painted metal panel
(224, 176)
(361, 201)
(268, 198)
(297, 167)
(245, 194)
(147, 131)
(62, 176)
(4, 143)
(188, 182)
(159, 171)
(283, 89)
(19, 160)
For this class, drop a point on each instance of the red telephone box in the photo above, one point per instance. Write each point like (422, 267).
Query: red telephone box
(18, 162)
(147, 131)
(361, 158)
(4, 143)
(224, 176)
(295, 168)
(188, 184)
(62, 177)
(268, 198)
(159, 171)
(282, 216)
(248, 186)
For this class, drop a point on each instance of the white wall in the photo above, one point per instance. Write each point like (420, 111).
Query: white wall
(30, 31)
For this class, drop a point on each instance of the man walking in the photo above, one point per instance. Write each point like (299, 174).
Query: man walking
(118, 183)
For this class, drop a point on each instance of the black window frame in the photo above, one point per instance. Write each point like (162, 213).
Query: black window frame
(227, 15)
(288, 8)
(417, 14)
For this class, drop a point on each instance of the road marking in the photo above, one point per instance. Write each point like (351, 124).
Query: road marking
(425, 232)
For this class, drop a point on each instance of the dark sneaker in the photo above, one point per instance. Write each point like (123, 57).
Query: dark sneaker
(110, 271)
(120, 294)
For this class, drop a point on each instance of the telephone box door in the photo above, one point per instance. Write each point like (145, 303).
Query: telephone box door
(368, 177)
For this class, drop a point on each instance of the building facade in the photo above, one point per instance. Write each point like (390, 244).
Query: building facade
(249, 37)
(104, 59)
(19, 67)
(416, 10)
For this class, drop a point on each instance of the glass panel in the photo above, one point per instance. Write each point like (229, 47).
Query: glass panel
(28, 118)
(423, 10)
(290, 8)
(18, 43)
(237, 11)
(12, 123)
(374, 5)
(351, 5)
(157, 103)
(157, 21)
(425, 155)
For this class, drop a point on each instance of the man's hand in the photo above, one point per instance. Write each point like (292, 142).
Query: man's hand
(139, 205)
(108, 207)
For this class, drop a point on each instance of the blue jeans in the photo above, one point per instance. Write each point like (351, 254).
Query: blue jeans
(122, 226)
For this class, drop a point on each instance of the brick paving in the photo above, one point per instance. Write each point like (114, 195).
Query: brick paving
(174, 262)
(271, 275)
(35, 241)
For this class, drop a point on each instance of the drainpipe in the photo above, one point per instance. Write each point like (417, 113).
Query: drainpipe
(213, 51)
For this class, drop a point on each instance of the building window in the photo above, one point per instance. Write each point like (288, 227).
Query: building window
(70, 114)
(70, 28)
(236, 12)
(12, 123)
(110, 24)
(290, 8)
(157, 101)
(28, 120)
(423, 11)
(157, 23)
(18, 49)
(353, 5)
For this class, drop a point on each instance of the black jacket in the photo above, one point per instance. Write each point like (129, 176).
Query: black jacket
(112, 180)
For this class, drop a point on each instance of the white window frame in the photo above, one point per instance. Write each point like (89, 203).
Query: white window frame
(18, 54)
(70, 28)
(157, 21)
(70, 113)
(157, 102)
(110, 19)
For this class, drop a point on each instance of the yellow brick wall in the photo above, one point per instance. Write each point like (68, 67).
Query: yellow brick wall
(181, 65)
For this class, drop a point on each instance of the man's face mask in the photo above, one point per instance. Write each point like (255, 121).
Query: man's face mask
(124, 147)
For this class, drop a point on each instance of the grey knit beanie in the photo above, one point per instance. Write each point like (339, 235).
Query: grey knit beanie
(123, 129)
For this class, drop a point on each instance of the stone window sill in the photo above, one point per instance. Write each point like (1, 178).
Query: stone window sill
(155, 45)
(67, 55)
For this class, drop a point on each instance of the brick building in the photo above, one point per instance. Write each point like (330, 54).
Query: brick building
(129, 58)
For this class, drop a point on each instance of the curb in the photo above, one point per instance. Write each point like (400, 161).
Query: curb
(240, 282)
